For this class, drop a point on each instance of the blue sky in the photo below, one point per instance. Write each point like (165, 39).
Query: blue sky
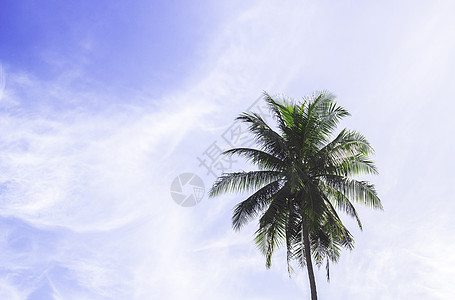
(103, 104)
(152, 42)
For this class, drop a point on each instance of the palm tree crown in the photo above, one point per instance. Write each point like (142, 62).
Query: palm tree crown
(305, 176)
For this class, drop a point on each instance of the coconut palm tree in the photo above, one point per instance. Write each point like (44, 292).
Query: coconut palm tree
(306, 175)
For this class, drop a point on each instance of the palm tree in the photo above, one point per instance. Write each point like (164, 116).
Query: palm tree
(304, 177)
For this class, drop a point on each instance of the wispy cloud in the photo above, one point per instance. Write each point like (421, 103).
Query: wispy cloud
(85, 190)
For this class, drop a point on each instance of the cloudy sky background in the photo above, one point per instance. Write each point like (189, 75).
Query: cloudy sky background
(103, 104)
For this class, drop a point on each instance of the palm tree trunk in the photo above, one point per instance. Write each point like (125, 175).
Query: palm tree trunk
(309, 265)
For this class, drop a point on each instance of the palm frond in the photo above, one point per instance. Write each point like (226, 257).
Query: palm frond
(279, 111)
(358, 164)
(342, 203)
(349, 142)
(292, 233)
(262, 159)
(361, 191)
(271, 235)
(254, 204)
(243, 181)
(267, 139)
(328, 112)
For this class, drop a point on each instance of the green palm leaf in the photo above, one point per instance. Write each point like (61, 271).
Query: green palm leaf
(305, 177)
